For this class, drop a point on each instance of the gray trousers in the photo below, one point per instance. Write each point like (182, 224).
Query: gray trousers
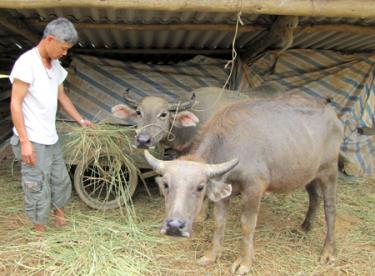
(47, 184)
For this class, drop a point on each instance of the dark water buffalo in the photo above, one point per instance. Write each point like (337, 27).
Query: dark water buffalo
(273, 145)
(173, 125)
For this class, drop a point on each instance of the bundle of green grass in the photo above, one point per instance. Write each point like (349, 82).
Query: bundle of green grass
(106, 172)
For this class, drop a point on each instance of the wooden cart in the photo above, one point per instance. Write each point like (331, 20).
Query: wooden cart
(94, 190)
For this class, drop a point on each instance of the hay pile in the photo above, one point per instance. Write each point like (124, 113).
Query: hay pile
(101, 154)
(102, 243)
(80, 143)
(91, 245)
(94, 243)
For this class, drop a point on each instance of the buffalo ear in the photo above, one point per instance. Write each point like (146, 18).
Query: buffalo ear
(184, 119)
(218, 190)
(123, 111)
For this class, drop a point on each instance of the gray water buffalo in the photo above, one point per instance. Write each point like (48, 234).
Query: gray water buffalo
(272, 145)
(173, 125)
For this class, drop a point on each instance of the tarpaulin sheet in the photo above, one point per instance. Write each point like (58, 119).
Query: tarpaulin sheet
(97, 84)
(347, 80)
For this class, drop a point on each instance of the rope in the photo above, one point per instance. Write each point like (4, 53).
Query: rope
(229, 63)
(170, 134)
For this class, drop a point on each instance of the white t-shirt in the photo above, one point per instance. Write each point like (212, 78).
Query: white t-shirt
(40, 103)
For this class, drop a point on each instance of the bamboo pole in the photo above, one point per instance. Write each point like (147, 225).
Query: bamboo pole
(158, 27)
(345, 28)
(331, 8)
(153, 51)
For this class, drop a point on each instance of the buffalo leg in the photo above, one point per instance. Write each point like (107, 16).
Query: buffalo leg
(251, 202)
(328, 185)
(314, 201)
(220, 213)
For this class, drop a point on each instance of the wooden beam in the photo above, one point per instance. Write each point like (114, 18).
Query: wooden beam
(157, 27)
(337, 8)
(152, 51)
(366, 130)
(340, 28)
(18, 27)
(308, 28)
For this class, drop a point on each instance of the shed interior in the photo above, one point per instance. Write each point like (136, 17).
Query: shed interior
(154, 33)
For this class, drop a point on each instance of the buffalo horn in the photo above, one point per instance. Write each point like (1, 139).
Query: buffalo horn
(218, 169)
(182, 106)
(155, 163)
(129, 100)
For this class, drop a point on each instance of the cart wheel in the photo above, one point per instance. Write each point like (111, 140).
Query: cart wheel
(97, 187)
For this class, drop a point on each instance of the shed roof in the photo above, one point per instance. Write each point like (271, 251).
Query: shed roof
(158, 32)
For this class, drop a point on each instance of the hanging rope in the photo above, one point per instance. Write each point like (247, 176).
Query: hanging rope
(230, 63)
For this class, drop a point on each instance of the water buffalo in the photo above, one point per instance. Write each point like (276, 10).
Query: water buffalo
(273, 145)
(173, 125)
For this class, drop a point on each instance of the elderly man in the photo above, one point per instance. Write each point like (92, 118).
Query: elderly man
(37, 88)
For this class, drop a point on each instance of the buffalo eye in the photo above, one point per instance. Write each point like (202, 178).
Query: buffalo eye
(200, 188)
(138, 112)
(163, 115)
(166, 186)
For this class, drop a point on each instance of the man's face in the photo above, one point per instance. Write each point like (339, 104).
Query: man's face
(56, 49)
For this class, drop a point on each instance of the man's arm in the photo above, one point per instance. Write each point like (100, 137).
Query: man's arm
(69, 108)
(19, 90)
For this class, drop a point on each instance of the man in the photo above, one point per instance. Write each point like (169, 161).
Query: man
(37, 88)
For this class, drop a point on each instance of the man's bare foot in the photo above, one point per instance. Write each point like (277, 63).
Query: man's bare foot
(60, 220)
(40, 228)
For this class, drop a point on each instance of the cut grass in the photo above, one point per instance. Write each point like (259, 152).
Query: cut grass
(93, 243)
(107, 154)
(101, 242)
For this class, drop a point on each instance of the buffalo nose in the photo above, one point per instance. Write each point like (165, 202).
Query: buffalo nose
(143, 139)
(175, 227)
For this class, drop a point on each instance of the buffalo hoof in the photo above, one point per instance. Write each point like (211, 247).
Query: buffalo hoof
(241, 266)
(327, 257)
(306, 226)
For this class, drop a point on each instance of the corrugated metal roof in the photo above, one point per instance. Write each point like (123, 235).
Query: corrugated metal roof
(184, 39)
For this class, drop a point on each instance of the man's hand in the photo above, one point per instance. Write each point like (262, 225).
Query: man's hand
(86, 123)
(69, 108)
(27, 153)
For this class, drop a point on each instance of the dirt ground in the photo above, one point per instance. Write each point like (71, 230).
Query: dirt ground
(280, 248)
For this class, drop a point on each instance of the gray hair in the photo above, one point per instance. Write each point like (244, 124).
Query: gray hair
(62, 29)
